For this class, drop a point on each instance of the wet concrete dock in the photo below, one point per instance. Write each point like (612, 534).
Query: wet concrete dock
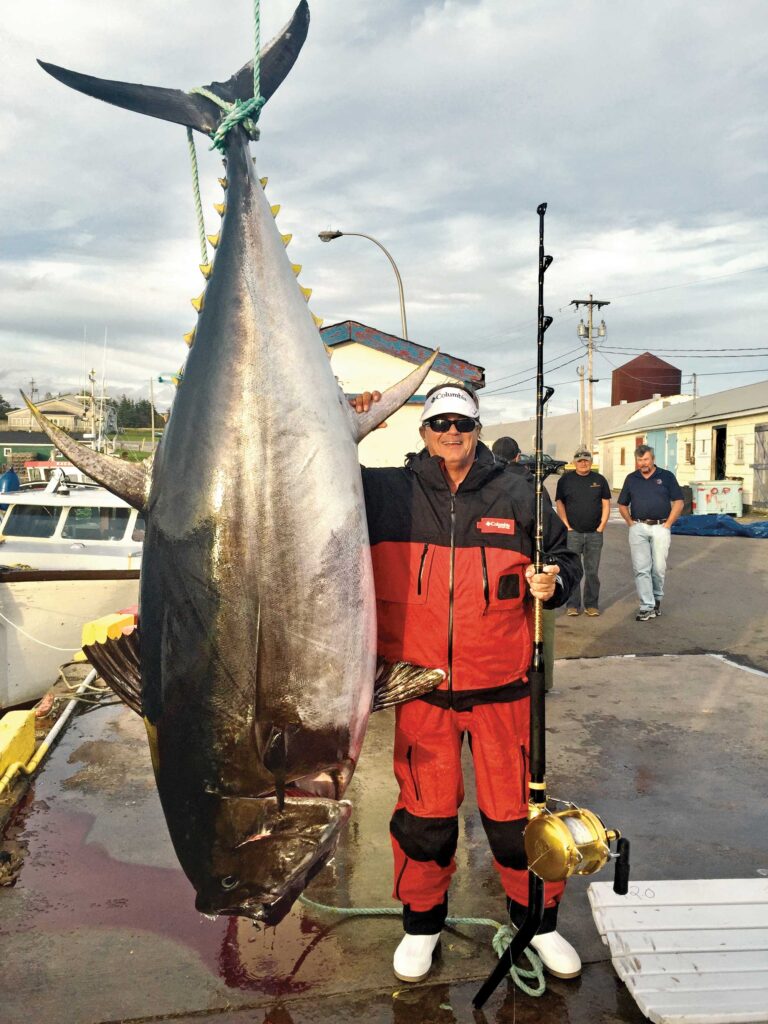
(101, 926)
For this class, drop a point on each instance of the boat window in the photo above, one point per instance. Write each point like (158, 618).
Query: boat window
(31, 521)
(140, 528)
(89, 523)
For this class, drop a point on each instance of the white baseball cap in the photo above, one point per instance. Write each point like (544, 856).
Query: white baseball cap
(450, 398)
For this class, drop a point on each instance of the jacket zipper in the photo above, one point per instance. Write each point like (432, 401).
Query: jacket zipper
(421, 567)
(486, 590)
(525, 771)
(450, 598)
(409, 758)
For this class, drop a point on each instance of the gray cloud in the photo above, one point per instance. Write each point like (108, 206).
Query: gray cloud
(437, 128)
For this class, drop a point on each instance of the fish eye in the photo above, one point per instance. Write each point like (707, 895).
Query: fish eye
(229, 882)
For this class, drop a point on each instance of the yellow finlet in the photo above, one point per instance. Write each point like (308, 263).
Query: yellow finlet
(328, 351)
(306, 292)
(263, 182)
(206, 269)
(154, 750)
(189, 337)
(214, 239)
(220, 208)
(199, 302)
(224, 183)
(319, 321)
(296, 268)
(286, 239)
(275, 209)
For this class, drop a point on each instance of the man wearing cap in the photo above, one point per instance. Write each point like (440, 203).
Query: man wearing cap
(651, 500)
(583, 501)
(452, 546)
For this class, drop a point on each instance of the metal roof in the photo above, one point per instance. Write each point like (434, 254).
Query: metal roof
(561, 433)
(751, 398)
(451, 366)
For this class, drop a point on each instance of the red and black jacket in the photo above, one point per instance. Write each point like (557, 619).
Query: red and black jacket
(449, 571)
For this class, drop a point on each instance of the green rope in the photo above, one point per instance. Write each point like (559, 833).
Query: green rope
(196, 193)
(501, 940)
(244, 112)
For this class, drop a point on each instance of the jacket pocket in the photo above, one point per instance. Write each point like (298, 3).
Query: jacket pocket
(402, 571)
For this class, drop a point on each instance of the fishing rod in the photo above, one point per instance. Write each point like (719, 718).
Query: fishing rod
(573, 841)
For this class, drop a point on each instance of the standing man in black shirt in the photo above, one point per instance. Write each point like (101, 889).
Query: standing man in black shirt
(583, 500)
(650, 502)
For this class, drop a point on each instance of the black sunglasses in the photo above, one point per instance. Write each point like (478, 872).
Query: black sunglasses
(440, 425)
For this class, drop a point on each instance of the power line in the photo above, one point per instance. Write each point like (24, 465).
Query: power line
(527, 369)
(525, 379)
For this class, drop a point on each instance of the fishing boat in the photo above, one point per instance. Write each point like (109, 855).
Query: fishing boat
(70, 552)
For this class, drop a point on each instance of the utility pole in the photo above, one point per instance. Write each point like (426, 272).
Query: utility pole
(693, 442)
(152, 410)
(92, 379)
(580, 371)
(586, 331)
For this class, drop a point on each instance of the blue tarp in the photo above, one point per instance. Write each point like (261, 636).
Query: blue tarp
(718, 526)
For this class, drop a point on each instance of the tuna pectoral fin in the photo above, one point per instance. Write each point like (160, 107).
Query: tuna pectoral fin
(195, 111)
(128, 480)
(391, 400)
(397, 682)
(117, 662)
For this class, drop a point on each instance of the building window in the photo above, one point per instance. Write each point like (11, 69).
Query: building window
(622, 457)
(689, 452)
(639, 440)
(739, 449)
(703, 445)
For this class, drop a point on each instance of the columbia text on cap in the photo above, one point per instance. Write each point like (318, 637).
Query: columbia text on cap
(450, 399)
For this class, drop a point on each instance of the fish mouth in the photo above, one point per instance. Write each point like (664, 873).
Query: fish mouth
(265, 856)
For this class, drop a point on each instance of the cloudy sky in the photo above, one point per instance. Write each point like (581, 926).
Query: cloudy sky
(436, 127)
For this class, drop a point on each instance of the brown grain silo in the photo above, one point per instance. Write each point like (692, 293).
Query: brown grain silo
(644, 377)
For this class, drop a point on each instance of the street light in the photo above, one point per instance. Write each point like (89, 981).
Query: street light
(328, 236)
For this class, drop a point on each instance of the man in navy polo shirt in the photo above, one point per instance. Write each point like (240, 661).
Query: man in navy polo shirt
(650, 502)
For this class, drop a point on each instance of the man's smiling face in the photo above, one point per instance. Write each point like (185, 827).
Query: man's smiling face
(457, 450)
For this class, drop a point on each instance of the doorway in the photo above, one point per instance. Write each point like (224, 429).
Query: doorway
(718, 452)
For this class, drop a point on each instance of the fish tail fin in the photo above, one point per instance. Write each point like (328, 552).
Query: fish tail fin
(128, 480)
(391, 400)
(191, 109)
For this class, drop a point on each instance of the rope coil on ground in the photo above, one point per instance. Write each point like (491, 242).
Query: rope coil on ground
(501, 940)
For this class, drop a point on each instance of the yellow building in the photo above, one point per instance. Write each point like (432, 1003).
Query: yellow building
(364, 359)
(70, 412)
(709, 438)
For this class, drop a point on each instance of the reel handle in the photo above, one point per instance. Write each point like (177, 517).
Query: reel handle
(621, 874)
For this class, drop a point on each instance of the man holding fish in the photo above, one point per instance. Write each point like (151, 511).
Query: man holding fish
(452, 545)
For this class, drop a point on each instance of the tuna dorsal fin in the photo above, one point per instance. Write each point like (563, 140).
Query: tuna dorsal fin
(391, 400)
(194, 111)
(128, 480)
(399, 681)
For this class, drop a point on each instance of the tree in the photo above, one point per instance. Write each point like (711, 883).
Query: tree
(5, 408)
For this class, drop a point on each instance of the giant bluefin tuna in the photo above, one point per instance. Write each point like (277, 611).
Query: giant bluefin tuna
(257, 610)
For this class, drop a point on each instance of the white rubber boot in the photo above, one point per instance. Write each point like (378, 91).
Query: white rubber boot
(413, 957)
(557, 954)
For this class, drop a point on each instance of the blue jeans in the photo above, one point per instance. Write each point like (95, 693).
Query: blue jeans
(589, 546)
(648, 548)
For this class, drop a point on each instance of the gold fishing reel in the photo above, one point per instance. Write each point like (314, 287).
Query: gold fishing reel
(573, 841)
